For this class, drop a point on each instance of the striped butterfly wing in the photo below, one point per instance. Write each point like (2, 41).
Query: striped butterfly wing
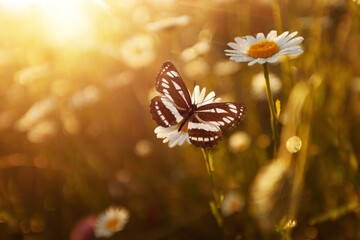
(168, 109)
(205, 127)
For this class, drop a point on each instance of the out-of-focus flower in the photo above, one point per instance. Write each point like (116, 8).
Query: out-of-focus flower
(199, 48)
(37, 111)
(85, 97)
(168, 24)
(143, 148)
(138, 51)
(270, 193)
(225, 68)
(258, 86)
(261, 49)
(293, 144)
(30, 74)
(198, 68)
(239, 141)
(84, 229)
(119, 80)
(233, 202)
(111, 221)
(42, 131)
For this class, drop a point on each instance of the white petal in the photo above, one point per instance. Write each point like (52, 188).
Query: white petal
(261, 60)
(195, 94)
(209, 98)
(281, 39)
(271, 35)
(241, 58)
(251, 39)
(234, 45)
(201, 96)
(260, 37)
(253, 62)
(293, 42)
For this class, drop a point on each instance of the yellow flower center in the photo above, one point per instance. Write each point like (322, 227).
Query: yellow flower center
(112, 224)
(263, 49)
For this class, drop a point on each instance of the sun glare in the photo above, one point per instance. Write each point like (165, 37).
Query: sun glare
(64, 20)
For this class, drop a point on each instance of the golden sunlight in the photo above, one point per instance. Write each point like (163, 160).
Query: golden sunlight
(63, 20)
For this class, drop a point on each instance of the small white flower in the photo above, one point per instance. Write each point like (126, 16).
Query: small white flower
(168, 23)
(261, 49)
(233, 202)
(111, 221)
(172, 135)
(138, 51)
(200, 48)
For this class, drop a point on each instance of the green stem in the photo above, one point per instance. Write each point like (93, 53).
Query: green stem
(273, 118)
(215, 205)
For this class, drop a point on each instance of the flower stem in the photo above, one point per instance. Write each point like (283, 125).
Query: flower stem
(273, 118)
(215, 205)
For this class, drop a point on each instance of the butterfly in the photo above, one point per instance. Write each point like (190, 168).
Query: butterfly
(195, 118)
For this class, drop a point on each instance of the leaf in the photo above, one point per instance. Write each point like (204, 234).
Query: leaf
(277, 108)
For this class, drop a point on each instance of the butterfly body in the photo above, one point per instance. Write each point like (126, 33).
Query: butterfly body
(196, 118)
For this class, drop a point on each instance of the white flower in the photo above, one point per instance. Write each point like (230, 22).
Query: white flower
(111, 221)
(172, 135)
(36, 113)
(168, 23)
(138, 51)
(261, 49)
(233, 202)
(200, 48)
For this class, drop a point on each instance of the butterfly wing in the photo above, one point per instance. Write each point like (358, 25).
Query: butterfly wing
(205, 126)
(164, 112)
(170, 84)
(168, 109)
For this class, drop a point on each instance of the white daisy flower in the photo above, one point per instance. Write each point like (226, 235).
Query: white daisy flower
(172, 135)
(261, 49)
(111, 221)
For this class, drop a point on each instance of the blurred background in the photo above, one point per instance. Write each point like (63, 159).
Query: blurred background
(76, 134)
